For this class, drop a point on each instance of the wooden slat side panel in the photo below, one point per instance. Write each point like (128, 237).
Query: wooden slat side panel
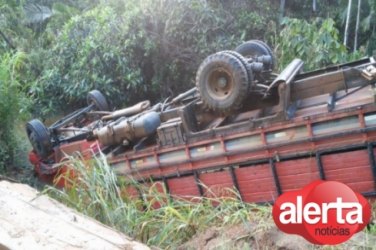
(295, 174)
(183, 186)
(256, 183)
(217, 184)
(352, 168)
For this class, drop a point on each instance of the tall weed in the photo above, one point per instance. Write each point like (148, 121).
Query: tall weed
(153, 218)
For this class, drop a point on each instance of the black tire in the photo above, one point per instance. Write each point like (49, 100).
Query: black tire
(244, 62)
(255, 48)
(39, 138)
(262, 43)
(97, 98)
(222, 81)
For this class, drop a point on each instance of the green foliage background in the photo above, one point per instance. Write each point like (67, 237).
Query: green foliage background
(136, 50)
(13, 105)
(133, 50)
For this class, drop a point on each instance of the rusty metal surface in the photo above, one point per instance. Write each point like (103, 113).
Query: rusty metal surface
(288, 74)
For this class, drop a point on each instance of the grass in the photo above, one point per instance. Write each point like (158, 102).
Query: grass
(155, 219)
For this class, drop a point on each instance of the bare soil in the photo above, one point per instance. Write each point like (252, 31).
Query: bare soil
(254, 236)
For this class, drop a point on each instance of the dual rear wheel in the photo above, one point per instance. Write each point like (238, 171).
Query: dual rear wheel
(223, 83)
(224, 79)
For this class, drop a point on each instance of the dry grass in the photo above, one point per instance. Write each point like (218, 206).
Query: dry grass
(97, 192)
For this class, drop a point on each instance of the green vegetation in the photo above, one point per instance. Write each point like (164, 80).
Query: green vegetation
(317, 42)
(156, 219)
(140, 48)
(13, 105)
(132, 50)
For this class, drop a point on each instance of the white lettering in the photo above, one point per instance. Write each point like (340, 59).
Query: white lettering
(340, 219)
(299, 209)
(308, 212)
(312, 213)
(325, 209)
(290, 214)
(357, 214)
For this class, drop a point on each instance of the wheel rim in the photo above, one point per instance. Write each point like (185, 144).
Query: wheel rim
(220, 83)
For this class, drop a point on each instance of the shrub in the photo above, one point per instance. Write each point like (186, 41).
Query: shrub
(316, 43)
(133, 50)
(13, 105)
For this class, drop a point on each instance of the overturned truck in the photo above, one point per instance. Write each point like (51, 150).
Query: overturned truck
(242, 126)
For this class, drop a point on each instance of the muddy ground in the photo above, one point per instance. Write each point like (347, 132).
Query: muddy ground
(252, 236)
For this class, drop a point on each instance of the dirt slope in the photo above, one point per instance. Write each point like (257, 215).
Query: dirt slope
(266, 236)
(29, 220)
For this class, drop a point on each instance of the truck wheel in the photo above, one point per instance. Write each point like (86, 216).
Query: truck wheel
(39, 138)
(255, 48)
(222, 81)
(244, 62)
(97, 98)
